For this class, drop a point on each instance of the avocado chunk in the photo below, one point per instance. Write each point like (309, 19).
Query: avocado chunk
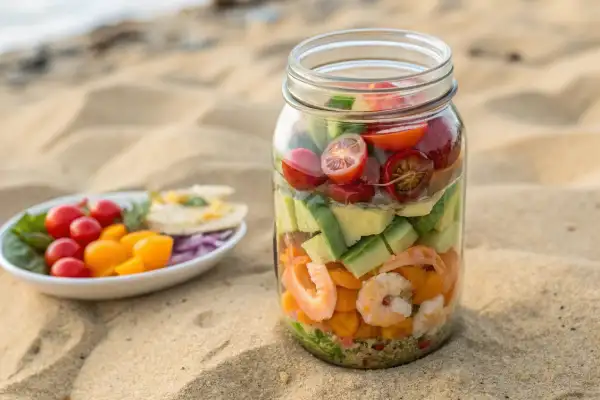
(313, 215)
(449, 212)
(427, 222)
(442, 241)
(285, 213)
(357, 222)
(369, 253)
(318, 249)
(304, 218)
(400, 235)
(420, 208)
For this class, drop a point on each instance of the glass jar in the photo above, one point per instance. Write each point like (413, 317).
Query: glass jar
(369, 194)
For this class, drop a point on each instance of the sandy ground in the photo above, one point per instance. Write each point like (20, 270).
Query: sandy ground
(529, 73)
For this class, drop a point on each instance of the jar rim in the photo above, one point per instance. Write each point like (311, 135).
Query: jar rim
(308, 44)
(424, 60)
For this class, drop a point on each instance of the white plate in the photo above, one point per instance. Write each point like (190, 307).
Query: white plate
(114, 287)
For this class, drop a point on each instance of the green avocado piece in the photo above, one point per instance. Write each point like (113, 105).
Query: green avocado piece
(357, 222)
(318, 249)
(449, 212)
(399, 235)
(285, 213)
(427, 222)
(442, 241)
(328, 225)
(304, 218)
(369, 253)
(420, 208)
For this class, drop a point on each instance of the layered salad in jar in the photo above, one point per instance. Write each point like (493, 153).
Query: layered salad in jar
(368, 226)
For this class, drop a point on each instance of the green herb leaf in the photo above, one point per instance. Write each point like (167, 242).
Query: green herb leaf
(352, 127)
(22, 255)
(30, 229)
(195, 201)
(134, 217)
(341, 102)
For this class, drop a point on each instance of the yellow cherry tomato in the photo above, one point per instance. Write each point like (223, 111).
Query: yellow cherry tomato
(132, 238)
(113, 232)
(154, 251)
(102, 256)
(132, 266)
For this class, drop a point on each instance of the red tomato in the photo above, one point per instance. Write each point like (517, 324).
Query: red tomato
(407, 174)
(61, 248)
(85, 230)
(351, 193)
(381, 101)
(58, 220)
(441, 143)
(70, 267)
(396, 138)
(106, 212)
(344, 159)
(302, 170)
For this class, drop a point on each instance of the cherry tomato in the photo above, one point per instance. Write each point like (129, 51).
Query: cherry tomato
(61, 248)
(154, 251)
(441, 143)
(106, 212)
(396, 138)
(407, 174)
(59, 218)
(302, 170)
(70, 267)
(382, 102)
(358, 192)
(85, 230)
(344, 159)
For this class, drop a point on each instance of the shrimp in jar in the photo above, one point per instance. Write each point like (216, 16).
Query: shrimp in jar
(315, 296)
(384, 300)
(421, 255)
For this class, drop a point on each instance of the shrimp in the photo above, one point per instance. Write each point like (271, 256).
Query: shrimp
(384, 300)
(318, 301)
(420, 255)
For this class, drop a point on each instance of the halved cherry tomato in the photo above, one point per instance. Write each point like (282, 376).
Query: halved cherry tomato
(344, 159)
(396, 138)
(302, 169)
(441, 143)
(406, 174)
(357, 192)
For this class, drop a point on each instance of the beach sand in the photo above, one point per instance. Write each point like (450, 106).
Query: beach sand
(529, 76)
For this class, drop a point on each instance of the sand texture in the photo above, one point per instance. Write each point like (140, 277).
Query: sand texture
(529, 75)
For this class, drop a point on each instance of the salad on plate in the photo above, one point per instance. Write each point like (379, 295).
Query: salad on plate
(104, 238)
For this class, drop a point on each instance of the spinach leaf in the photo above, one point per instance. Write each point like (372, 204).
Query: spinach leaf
(22, 255)
(31, 230)
(195, 201)
(134, 217)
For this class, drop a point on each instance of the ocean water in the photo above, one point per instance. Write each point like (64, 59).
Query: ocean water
(24, 23)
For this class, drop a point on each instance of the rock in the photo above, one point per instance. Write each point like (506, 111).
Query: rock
(107, 36)
(37, 63)
(220, 5)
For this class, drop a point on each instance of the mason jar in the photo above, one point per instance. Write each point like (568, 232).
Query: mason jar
(368, 179)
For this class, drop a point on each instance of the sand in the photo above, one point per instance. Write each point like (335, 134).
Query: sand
(529, 75)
